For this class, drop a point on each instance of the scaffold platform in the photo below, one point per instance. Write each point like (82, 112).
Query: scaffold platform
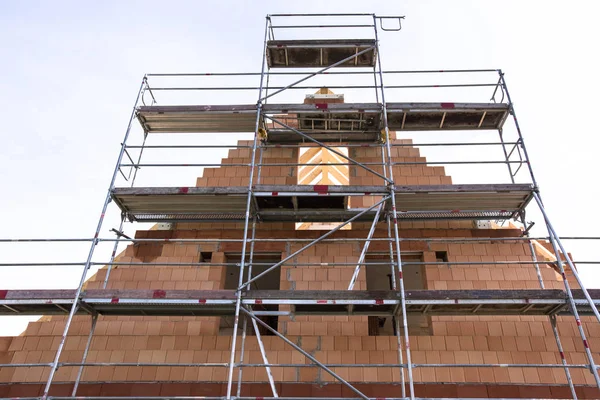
(131, 302)
(320, 203)
(321, 53)
(348, 122)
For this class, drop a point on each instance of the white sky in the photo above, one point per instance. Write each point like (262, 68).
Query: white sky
(70, 72)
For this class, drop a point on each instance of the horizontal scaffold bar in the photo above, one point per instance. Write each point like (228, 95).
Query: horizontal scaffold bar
(303, 302)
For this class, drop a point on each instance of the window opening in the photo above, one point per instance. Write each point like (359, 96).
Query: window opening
(270, 281)
(379, 277)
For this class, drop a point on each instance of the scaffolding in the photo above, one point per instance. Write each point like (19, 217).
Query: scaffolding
(323, 125)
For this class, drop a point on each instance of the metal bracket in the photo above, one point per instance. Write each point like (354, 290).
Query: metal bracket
(395, 29)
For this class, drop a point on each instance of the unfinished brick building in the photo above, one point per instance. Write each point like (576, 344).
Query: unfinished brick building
(325, 258)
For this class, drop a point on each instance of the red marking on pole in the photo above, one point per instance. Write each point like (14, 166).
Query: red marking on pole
(257, 301)
(159, 294)
(585, 344)
(183, 189)
(441, 70)
(279, 46)
(367, 193)
(578, 322)
(202, 301)
(321, 106)
(364, 145)
(455, 211)
(321, 301)
(400, 275)
(3, 294)
(527, 301)
(447, 105)
(564, 276)
(274, 193)
(562, 355)
(114, 300)
(48, 302)
(321, 189)
(361, 111)
(379, 301)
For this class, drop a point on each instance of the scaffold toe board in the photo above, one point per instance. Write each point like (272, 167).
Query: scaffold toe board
(304, 302)
(321, 53)
(319, 203)
(197, 119)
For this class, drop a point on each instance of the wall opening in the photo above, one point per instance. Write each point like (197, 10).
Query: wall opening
(270, 281)
(379, 277)
(323, 170)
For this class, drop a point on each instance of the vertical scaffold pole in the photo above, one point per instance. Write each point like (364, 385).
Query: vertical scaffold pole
(88, 261)
(511, 109)
(394, 216)
(85, 354)
(247, 217)
(571, 300)
(510, 172)
(116, 245)
(388, 220)
(552, 320)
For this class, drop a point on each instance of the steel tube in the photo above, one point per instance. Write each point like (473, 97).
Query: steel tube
(331, 149)
(556, 242)
(247, 217)
(303, 145)
(293, 85)
(85, 354)
(571, 300)
(92, 248)
(514, 115)
(430, 71)
(305, 354)
(552, 320)
(316, 164)
(312, 243)
(396, 235)
(200, 240)
(365, 248)
(113, 255)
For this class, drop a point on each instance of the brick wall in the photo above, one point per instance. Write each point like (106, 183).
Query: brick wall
(336, 339)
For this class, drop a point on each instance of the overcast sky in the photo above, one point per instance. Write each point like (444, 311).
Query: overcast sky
(70, 72)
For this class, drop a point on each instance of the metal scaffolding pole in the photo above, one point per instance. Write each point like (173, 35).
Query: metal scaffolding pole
(395, 219)
(85, 354)
(559, 263)
(365, 248)
(305, 354)
(552, 320)
(313, 242)
(247, 219)
(330, 148)
(92, 248)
